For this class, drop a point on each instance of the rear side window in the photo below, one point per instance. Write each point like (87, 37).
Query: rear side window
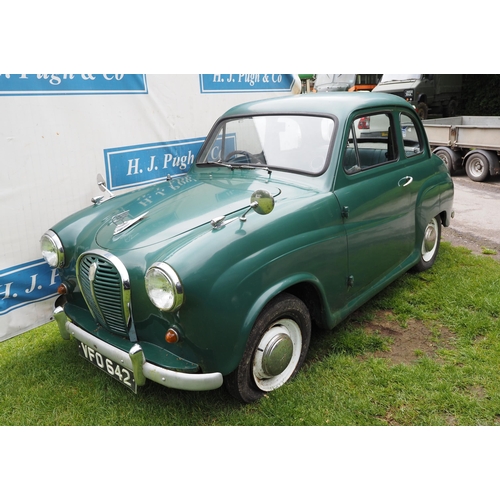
(412, 138)
(371, 143)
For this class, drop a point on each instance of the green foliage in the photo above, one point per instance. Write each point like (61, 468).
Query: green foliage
(346, 380)
(480, 96)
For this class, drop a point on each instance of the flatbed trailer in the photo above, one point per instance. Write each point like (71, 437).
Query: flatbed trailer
(467, 142)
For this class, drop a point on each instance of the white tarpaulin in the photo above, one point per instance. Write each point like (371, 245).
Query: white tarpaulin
(59, 131)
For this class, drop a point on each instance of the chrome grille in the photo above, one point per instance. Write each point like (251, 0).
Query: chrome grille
(105, 286)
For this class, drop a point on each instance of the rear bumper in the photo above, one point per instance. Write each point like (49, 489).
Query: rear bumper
(135, 361)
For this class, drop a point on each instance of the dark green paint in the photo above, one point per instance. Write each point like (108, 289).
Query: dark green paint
(305, 243)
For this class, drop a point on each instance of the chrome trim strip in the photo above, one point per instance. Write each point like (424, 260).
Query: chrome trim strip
(134, 360)
(120, 227)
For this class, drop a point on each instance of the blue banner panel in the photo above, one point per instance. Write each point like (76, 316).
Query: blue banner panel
(27, 283)
(64, 84)
(243, 82)
(132, 166)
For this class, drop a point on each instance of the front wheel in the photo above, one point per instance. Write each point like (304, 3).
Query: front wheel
(429, 246)
(450, 158)
(275, 350)
(422, 110)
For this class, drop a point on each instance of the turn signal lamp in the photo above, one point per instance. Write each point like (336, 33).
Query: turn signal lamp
(171, 336)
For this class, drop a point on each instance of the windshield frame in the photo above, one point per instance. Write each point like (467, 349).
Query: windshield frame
(221, 122)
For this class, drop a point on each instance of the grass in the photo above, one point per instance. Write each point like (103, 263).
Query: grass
(44, 382)
(488, 251)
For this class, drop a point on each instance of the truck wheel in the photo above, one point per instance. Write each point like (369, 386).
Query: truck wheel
(450, 158)
(422, 110)
(429, 247)
(275, 350)
(477, 166)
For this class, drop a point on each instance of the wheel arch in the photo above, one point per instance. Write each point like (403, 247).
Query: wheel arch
(450, 158)
(444, 218)
(304, 286)
(422, 98)
(431, 204)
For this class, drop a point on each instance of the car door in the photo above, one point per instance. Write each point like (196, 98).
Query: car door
(373, 189)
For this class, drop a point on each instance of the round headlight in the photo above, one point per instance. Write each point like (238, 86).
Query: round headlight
(52, 249)
(164, 287)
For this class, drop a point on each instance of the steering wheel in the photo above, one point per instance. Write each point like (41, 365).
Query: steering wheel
(250, 158)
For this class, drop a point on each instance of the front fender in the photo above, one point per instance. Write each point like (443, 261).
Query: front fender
(230, 274)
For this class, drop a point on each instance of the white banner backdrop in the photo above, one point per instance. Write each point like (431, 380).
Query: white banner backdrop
(59, 131)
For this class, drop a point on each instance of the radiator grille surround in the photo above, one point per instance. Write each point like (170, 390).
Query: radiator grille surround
(105, 286)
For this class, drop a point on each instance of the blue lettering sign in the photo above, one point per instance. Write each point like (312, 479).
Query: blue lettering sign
(71, 84)
(228, 83)
(148, 163)
(27, 283)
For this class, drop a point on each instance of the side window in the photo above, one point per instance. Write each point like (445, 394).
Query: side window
(371, 142)
(412, 139)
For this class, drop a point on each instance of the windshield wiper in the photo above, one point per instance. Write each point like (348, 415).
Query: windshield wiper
(240, 166)
(252, 166)
(218, 163)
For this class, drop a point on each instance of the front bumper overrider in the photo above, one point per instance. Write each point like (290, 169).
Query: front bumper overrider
(135, 361)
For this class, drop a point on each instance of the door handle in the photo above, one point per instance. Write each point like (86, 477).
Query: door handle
(405, 181)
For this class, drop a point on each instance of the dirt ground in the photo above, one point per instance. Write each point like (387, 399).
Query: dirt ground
(475, 245)
(417, 340)
(410, 342)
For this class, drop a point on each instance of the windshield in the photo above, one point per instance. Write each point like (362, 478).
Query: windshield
(392, 78)
(345, 78)
(322, 79)
(287, 142)
(337, 78)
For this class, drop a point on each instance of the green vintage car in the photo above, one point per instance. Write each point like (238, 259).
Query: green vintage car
(290, 217)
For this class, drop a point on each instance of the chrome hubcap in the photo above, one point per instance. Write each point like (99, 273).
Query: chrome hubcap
(477, 167)
(430, 240)
(277, 354)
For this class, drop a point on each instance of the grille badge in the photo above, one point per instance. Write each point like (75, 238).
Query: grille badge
(92, 271)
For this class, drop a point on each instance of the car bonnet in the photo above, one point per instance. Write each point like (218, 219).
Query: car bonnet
(174, 207)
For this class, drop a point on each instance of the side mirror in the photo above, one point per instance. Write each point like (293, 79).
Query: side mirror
(262, 202)
(101, 183)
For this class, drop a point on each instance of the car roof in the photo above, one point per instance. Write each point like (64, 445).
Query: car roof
(341, 104)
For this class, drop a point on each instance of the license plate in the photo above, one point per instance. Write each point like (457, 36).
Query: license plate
(118, 372)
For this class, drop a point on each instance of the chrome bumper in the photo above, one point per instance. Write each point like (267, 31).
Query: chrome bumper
(134, 360)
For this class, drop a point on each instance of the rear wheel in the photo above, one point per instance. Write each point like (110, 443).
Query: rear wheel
(429, 247)
(275, 351)
(477, 167)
